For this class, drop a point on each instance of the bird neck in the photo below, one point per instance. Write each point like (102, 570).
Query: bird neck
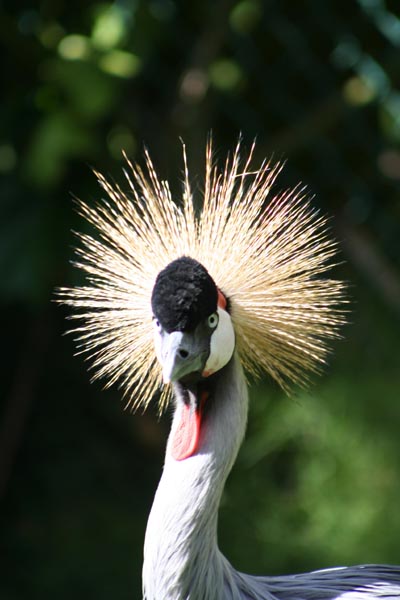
(181, 556)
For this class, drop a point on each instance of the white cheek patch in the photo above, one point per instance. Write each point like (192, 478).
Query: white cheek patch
(222, 344)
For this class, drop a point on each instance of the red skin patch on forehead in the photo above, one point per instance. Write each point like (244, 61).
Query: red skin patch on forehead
(221, 300)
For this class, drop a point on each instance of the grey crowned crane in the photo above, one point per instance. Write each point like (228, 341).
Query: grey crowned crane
(186, 301)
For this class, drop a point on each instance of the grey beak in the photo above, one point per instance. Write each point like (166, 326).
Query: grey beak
(182, 354)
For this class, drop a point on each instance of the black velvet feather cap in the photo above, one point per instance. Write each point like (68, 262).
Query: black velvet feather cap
(183, 295)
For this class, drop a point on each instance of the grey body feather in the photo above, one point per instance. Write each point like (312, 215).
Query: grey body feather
(181, 556)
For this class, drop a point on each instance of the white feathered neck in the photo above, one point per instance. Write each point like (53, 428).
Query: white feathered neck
(181, 556)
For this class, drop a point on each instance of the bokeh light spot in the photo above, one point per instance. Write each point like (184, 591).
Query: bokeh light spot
(347, 53)
(245, 16)
(120, 63)
(109, 28)
(74, 47)
(51, 35)
(225, 74)
(359, 91)
(194, 85)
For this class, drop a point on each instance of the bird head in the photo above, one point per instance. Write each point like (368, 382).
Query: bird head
(193, 331)
(162, 260)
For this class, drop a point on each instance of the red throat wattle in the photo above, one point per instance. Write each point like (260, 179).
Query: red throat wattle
(187, 435)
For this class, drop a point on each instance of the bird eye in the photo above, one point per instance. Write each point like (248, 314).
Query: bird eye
(157, 325)
(212, 320)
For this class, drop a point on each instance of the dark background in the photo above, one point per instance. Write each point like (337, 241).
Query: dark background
(317, 482)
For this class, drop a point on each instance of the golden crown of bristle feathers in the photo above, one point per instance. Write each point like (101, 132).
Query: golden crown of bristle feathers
(266, 256)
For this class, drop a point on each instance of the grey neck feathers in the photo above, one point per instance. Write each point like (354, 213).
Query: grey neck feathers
(181, 556)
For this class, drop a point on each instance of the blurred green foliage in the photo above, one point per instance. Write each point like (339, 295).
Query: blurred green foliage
(318, 480)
